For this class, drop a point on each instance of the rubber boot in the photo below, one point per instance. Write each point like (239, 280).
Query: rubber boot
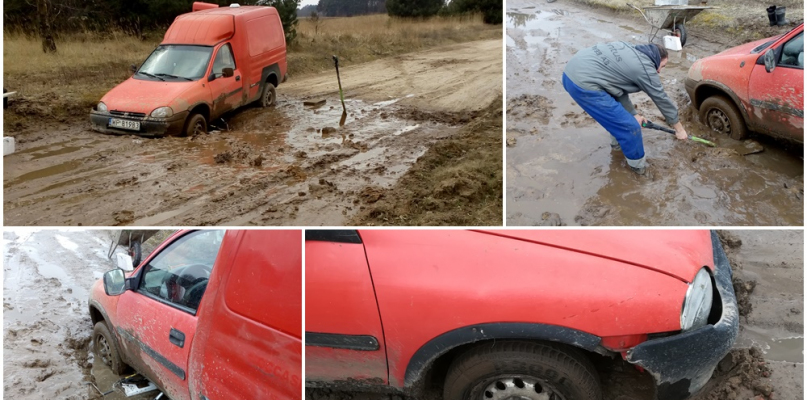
(780, 16)
(772, 15)
(638, 166)
(615, 144)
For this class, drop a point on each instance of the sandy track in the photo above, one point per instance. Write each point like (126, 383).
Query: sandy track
(452, 78)
(267, 167)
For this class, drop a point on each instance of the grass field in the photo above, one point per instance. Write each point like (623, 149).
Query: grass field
(64, 85)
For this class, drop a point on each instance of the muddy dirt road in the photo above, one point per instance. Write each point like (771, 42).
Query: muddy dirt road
(561, 169)
(46, 321)
(773, 323)
(288, 165)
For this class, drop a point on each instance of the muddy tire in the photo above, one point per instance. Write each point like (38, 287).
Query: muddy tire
(522, 370)
(105, 348)
(269, 95)
(196, 125)
(681, 32)
(720, 115)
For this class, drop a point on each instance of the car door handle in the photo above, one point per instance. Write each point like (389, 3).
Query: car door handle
(177, 338)
(238, 78)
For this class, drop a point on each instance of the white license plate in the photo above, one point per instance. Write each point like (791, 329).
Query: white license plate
(124, 124)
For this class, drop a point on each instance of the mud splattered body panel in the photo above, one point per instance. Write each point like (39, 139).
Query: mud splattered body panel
(771, 102)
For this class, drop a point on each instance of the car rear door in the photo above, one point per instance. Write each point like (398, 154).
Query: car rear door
(777, 98)
(157, 321)
(344, 339)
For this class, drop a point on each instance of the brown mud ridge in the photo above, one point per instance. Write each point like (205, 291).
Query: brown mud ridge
(560, 163)
(288, 165)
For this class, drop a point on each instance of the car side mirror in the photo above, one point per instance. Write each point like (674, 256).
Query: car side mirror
(114, 282)
(227, 72)
(770, 60)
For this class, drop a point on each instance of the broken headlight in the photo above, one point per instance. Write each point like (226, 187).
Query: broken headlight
(698, 301)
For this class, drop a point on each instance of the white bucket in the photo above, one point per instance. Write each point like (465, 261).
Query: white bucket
(672, 43)
(8, 145)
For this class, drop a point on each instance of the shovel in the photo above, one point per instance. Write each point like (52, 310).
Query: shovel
(651, 125)
(341, 95)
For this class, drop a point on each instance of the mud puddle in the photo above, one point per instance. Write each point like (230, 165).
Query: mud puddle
(290, 165)
(559, 161)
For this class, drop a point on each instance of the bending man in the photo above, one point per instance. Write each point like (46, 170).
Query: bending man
(600, 78)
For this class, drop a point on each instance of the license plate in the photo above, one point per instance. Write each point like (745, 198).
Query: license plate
(124, 124)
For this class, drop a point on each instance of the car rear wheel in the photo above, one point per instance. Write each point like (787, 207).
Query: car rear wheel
(105, 348)
(720, 114)
(196, 125)
(269, 95)
(523, 371)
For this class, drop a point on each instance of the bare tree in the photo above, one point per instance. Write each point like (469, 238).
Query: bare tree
(43, 12)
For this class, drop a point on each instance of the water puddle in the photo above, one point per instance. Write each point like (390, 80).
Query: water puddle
(790, 349)
(46, 172)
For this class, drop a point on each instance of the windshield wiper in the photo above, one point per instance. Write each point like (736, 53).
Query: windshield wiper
(175, 77)
(150, 75)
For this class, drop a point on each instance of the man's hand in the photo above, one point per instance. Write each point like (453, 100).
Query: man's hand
(640, 119)
(680, 132)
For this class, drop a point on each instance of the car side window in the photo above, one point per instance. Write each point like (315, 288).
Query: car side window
(224, 59)
(793, 52)
(178, 275)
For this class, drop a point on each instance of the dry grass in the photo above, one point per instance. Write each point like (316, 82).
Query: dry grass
(63, 86)
(740, 18)
(365, 38)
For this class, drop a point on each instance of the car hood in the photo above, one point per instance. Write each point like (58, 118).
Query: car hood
(677, 253)
(142, 96)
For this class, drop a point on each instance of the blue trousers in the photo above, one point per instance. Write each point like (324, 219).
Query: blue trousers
(613, 117)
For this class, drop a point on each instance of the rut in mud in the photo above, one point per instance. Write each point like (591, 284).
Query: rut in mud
(46, 322)
(287, 165)
(768, 358)
(562, 171)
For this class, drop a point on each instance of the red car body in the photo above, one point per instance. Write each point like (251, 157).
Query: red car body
(769, 102)
(249, 40)
(244, 339)
(385, 306)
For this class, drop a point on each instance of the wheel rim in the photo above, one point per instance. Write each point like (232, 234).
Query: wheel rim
(198, 128)
(269, 97)
(519, 388)
(718, 121)
(102, 350)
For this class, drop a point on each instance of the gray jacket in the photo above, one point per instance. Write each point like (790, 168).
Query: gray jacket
(619, 69)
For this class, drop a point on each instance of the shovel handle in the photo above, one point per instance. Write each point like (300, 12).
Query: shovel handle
(651, 125)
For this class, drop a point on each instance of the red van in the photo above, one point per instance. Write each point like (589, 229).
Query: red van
(208, 315)
(758, 86)
(211, 61)
(515, 314)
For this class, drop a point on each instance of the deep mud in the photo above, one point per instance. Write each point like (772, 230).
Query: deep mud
(288, 165)
(559, 160)
(46, 321)
(768, 358)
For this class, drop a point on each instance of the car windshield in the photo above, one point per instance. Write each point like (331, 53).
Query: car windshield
(176, 62)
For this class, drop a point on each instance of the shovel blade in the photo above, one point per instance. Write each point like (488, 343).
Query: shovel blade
(342, 120)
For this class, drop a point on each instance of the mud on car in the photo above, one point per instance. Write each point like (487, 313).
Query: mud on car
(208, 315)
(758, 86)
(515, 314)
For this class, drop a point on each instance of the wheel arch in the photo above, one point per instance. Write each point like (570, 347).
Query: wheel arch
(442, 349)
(707, 89)
(200, 108)
(97, 314)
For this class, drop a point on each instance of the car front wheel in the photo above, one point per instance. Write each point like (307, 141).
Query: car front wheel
(105, 348)
(522, 370)
(720, 114)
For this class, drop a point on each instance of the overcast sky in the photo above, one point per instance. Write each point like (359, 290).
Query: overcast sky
(304, 3)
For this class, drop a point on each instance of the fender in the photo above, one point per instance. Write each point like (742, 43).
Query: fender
(273, 69)
(429, 352)
(725, 89)
(96, 305)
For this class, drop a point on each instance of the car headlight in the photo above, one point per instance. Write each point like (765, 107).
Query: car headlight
(698, 302)
(101, 106)
(162, 112)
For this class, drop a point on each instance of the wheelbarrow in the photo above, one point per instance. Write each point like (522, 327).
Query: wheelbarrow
(131, 239)
(671, 18)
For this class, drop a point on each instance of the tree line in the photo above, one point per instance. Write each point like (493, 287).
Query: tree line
(491, 9)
